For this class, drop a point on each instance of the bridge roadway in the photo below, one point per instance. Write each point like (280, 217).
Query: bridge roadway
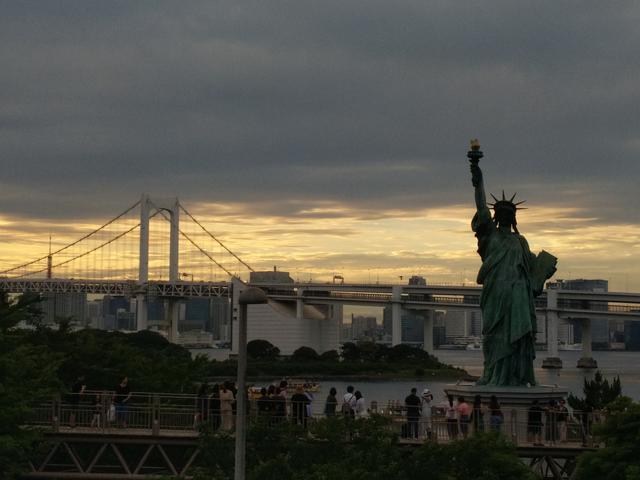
(553, 304)
(162, 438)
(607, 305)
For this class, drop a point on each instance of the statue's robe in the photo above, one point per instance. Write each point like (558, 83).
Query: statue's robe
(507, 303)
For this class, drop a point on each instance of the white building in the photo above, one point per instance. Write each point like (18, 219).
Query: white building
(318, 327)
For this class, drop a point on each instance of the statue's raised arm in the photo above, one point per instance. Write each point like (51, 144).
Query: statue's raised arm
(474, 156)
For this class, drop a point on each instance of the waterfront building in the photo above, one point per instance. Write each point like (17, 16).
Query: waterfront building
(570, 330)
(286, 325)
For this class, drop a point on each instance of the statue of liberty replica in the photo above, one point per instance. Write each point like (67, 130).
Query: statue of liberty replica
(511, 278)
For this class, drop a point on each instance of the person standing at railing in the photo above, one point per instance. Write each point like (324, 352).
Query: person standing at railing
(264, 404)
(97, 408)
(496, 417)
(562, 417)
(349, 403)
(451, 414)
(77, 390)
(413, 406)
(226, 407)
(552, 422)
(202, 404)
(279, 406)
(477, 414)
(331, 403)
(121, 399)
(534, 423)
(361, 405)
(214, 406)
(464, 415)
(299, 402)
(425, 411)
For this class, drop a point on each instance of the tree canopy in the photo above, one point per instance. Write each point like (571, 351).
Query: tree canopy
(620, 457)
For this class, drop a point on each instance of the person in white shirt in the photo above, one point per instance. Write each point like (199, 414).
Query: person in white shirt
(349, 402)
(361, 405)
(426, 399)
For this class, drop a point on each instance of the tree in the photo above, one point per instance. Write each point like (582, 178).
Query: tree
(330, 356)
(305, 354)
(27, 374)
(597, 393)
(620, 458)
(368, 350)
(404, 353)
(262, 350)
(350, 352)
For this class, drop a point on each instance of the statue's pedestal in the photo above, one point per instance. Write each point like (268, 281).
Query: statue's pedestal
(514, 405)
(517, 397)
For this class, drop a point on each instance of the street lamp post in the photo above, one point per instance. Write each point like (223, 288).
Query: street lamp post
(250, 296)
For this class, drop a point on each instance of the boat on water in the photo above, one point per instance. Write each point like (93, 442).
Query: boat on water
(292, 385)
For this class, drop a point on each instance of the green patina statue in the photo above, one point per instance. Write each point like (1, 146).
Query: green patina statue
(511, 277)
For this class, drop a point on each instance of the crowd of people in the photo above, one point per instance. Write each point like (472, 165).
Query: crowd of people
(216, 407)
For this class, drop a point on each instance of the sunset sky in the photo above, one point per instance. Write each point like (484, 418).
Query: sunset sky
(327, 137)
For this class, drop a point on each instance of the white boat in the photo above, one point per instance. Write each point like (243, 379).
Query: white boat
(474, 346)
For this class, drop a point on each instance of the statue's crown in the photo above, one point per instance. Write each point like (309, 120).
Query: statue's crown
(505, 204)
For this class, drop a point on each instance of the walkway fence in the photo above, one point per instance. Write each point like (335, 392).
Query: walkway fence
(158, 414)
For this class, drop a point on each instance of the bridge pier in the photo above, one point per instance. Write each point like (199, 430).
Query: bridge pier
(142, 322)
(427, 343)
(300, 304)
(396, 315)
(143, 264)
(587, 360)
(552, 360)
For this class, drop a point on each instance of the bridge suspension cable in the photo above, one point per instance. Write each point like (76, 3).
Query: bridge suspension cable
(216, 239)
(24, 265)
(202, 250)
(83, 254)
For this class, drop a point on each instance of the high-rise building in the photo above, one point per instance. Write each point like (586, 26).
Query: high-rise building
(94, 313)
(475, 323)
(110, 308)
(64, 305)
(456, 325)
(363, 326)
(220, 318)
(412, 325)
(439, 329)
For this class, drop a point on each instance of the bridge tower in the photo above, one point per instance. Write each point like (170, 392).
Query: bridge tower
(172, 206)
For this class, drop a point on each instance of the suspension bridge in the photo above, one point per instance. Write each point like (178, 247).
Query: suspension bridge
(145, 252)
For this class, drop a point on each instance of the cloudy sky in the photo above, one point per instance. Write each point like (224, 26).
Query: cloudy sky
(327, 137)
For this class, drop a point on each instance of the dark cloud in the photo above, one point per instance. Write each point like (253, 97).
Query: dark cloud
(281, 106)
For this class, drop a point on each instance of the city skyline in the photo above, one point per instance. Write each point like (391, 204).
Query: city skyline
(327, 139)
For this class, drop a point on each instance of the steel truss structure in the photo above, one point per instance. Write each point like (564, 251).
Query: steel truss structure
(125, 288)
(552, 463)
(128, 457)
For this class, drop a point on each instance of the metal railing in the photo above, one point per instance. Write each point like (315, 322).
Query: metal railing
(175, 414)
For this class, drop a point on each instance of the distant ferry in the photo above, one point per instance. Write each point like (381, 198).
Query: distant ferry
(474, 346)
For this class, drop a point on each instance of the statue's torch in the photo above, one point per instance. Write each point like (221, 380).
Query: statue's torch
(475, 154)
